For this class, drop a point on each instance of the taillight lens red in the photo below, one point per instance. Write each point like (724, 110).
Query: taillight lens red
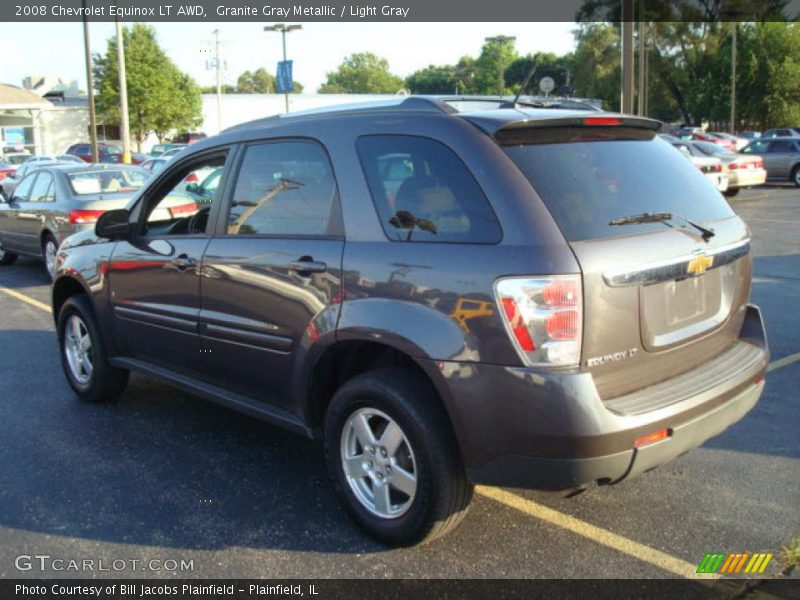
(562, 325)
(182, 210)
(518, 325)
(84, 217)
(544, 317)
(192, 178)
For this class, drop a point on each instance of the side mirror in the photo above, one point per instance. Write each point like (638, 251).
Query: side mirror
(113, 224)
(193, 188)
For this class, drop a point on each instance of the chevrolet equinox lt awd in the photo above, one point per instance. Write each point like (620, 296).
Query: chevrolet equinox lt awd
(445, 291)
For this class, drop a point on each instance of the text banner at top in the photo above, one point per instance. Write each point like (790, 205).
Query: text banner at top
(396, 10)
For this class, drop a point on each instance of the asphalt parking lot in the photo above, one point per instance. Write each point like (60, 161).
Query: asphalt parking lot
(162, 475)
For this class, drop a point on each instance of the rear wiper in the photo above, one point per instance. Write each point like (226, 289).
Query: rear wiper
(707, 232)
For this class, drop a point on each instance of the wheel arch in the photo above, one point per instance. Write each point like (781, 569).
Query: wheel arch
(64, 288)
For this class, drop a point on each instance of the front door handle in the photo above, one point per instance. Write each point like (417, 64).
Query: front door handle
(183, 262)
(306, 266)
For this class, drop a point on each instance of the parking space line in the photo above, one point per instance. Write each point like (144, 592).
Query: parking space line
(642, 552)
(24, 298)
(782, 362)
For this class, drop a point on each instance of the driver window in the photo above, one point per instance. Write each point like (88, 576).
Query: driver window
(183, 203)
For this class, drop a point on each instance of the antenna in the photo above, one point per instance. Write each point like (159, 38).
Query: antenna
(525, 83)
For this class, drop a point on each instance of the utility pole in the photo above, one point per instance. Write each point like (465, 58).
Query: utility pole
(284, 29)
(642, 26)
(123, 97)
(501, 40)
(626, 99)
(733, 79)
(218, 65)
(90, 85)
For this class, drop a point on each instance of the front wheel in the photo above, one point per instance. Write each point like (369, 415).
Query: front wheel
(83, 355)
(393, 458)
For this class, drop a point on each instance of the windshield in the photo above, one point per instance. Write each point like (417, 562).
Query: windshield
(106, 181)
(588, 184)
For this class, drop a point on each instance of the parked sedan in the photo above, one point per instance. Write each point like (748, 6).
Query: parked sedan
(713, 138)
(84, 151)
(743, 170)
(781, 157)
(738, 142)
(782, 132)
(710, 166)
(56, 200)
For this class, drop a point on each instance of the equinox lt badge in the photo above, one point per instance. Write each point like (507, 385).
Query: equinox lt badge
(611, 358)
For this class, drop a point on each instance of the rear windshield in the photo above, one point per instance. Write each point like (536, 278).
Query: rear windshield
(106, 181)
(601, 176)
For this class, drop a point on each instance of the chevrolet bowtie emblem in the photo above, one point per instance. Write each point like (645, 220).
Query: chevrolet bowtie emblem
(700, 264)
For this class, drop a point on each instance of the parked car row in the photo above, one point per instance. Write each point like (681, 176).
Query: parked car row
(50, 201)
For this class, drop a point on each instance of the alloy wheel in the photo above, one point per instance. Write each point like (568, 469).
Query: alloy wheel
(78, 349)
(378, 463)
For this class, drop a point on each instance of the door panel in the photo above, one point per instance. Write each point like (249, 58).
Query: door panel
(256, 309)
(155, 296)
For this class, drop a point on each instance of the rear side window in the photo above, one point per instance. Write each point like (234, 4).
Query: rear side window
(285, 188)
(782, 146)
(424, 193)
(592, 177)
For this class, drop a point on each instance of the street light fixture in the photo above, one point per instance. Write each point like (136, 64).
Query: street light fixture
(501, 40)
(284, 29)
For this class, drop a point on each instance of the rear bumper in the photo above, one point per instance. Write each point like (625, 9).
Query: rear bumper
(746, 178)
(525, 428)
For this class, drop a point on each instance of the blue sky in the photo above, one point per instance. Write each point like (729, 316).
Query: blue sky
(57, 48)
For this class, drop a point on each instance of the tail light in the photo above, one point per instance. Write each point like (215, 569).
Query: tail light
(84, 217)
(733, 166)
(543, 317)
(602, 121)
(182, 210)
(716, 168)
(759, 164)
(192, 178)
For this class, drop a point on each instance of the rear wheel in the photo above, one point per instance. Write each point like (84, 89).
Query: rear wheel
(6, 257)
(83, 355)
(49, 250)
(393, 458)
(730, 192)
(796, 175)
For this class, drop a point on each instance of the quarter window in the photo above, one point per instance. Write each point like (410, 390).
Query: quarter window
(782, 146)
(424, 193)
(287, 189)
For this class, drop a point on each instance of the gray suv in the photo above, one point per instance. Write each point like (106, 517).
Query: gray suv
(507, 295)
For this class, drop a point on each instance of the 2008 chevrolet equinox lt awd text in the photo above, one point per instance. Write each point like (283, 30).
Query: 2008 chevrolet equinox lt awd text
(445, 291)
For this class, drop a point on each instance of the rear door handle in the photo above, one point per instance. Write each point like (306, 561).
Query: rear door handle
(183, 262)
(303, 266)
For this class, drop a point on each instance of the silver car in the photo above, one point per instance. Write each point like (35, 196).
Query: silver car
(55, 200)
(781, 157)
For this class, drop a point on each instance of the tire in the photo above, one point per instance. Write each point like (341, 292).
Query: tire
(6, 257)
(49, 251)
(101, 383)
(731, 192)
(795, 177)
(428, 451)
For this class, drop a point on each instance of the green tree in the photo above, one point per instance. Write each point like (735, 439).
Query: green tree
(362, 73)
(160, 96)
(547, 65)
(444, 79)
(263, 82)
(596, 72)
(245, 84)
(494, 59)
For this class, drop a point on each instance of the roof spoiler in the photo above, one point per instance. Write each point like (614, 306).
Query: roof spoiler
(589, 120)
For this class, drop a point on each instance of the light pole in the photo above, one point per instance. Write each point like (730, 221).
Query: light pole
(626, 98)
(123, 97)
(501, 40)
(733, 79)
(90, 86)
(284, 29)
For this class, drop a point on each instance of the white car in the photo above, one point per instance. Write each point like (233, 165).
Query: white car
(711, 167)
